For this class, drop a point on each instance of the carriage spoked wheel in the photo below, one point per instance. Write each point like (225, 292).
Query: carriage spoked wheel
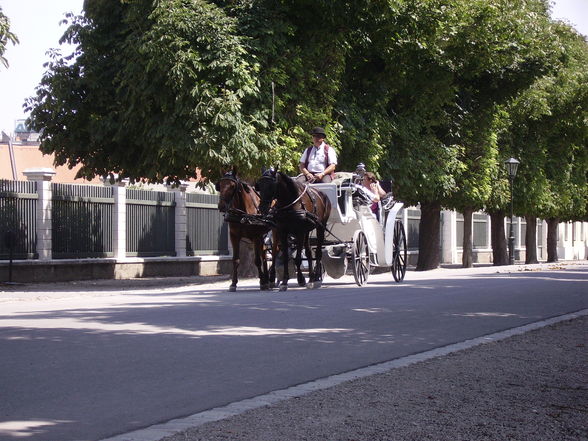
(399, 253)
(360, 254)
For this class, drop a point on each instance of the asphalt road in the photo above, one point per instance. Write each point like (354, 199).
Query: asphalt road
(87, 361)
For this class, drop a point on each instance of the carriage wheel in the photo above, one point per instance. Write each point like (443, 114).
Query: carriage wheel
(361, 258)
(399, 252)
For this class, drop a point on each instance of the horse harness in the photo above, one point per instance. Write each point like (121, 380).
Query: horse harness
(302, 212)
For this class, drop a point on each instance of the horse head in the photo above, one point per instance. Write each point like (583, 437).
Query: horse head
(267, 186)
(228, 187)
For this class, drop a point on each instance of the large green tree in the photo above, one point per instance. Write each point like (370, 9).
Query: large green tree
(6, 36)
(320, 65)
(453, 64)
(549, 133)
(157, 89)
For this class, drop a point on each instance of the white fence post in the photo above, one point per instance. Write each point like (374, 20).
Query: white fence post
(43, 176)
(181, 220)
(119, 247)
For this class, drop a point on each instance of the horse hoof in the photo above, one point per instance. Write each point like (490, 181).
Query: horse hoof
(232, 288)
(318, 284)
(283, 287)
(264, 287)
(310, 285)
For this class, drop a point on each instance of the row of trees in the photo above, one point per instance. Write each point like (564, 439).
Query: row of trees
(434, 94)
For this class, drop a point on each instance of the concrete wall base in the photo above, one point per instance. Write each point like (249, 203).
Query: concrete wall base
(29, 271)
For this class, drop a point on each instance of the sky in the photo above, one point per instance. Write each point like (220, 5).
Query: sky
(36, 23)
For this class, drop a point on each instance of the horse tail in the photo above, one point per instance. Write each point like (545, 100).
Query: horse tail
(328, 207)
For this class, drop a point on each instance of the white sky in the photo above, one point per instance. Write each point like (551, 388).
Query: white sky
(36, 23)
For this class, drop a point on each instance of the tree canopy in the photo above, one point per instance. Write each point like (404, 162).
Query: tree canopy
(156, 90)
(547, 130)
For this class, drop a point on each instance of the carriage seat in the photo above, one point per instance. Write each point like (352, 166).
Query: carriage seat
(339, 193)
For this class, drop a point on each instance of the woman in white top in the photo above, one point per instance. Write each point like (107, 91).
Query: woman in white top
(371, 183)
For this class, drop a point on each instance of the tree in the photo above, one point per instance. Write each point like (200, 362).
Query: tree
(157, 89)
(547, 130)
(453, 64)
(6, 36)
(317, 75)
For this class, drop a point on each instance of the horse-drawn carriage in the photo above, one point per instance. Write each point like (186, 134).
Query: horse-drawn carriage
(344, 228)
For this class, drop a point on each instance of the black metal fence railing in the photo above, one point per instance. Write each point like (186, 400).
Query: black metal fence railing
(150, 223)
(412, 228)
(18, 225)
(82, 221)
(207, 233)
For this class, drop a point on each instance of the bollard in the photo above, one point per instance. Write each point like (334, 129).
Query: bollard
(10, 242)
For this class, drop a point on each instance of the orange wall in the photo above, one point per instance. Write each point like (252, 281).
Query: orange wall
(29, 156)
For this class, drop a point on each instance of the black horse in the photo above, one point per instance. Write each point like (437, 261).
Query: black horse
(240, 203)
(298, 210)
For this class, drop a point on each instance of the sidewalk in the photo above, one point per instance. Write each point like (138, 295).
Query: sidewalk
(531, 387)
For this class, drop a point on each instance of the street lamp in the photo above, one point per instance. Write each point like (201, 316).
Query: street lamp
(511, 167)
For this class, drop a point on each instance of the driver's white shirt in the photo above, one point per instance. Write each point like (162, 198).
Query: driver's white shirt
(316, 162)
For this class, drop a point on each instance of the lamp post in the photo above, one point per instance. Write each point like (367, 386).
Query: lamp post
(511, 167)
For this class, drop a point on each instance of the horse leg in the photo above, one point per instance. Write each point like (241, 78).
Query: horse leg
(261, 264)
(275, 251)
(284, 246)
(318, 268)
(236, 243)
(311, 269)
(300, 239)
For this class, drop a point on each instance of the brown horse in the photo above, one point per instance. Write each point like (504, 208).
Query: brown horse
(298, 210)
(240, 203)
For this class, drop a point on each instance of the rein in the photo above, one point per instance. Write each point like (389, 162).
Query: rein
(295, 200)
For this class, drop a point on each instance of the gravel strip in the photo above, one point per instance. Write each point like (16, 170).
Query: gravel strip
(531, 387)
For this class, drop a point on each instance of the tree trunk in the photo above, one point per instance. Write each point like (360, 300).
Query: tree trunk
(531, 240)
(429, 237)
(467, 258)
(247, 266)
(552, 224)
(498, 238)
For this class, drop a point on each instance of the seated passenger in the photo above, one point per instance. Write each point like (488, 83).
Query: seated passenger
(371, 183)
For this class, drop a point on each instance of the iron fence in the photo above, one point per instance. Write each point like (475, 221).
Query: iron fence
(150, 223)
(412, 228)
(207, 233)
(82, 221)
(18, 224)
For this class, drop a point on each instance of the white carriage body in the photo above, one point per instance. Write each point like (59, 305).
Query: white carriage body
(346, 219)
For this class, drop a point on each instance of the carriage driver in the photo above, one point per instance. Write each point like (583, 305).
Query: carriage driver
(318, 162)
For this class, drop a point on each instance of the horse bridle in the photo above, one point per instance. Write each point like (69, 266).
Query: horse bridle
(238, 188)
